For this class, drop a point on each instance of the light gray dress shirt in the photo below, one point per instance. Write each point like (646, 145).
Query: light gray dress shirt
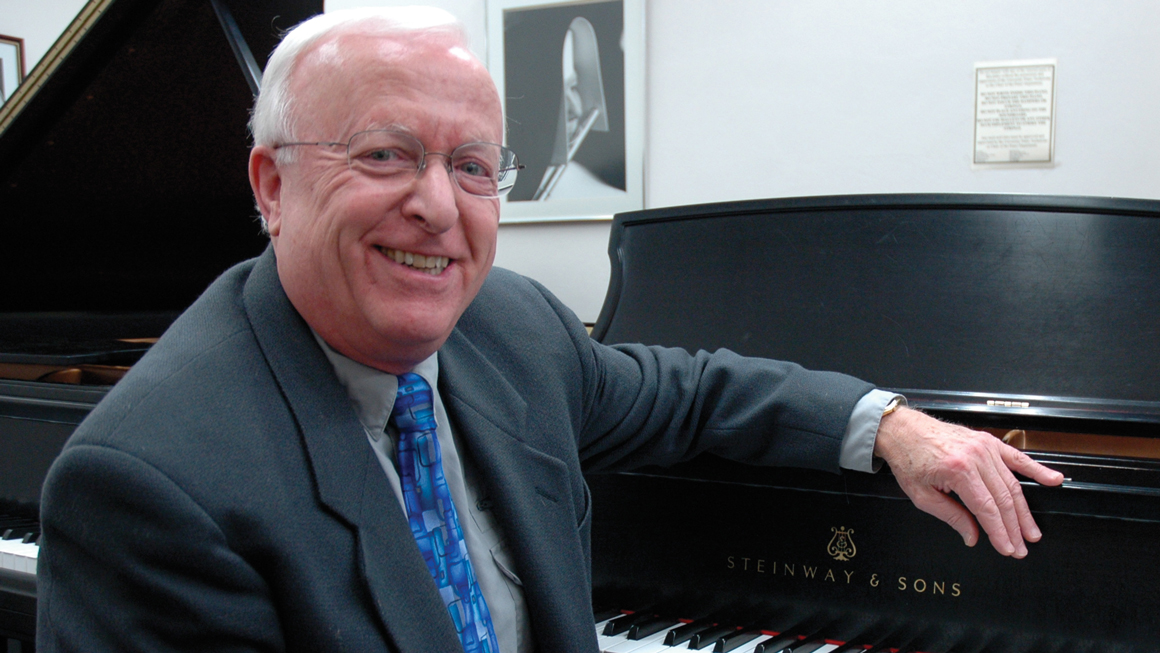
(373, 394)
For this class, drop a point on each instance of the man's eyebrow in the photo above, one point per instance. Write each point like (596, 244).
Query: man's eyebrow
(394, 127)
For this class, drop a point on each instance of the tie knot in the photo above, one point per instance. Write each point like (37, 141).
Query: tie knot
(414, 410)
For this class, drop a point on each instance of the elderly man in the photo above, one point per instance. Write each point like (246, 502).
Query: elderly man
(363, 441)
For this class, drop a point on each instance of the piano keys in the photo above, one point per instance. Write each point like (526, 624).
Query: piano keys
(19, 555)
(832, 631)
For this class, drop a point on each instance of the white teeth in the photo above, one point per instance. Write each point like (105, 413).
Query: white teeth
(432, 265)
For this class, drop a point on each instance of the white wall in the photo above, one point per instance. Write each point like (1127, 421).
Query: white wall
(852, 96)
(777, 98)
(38, 22)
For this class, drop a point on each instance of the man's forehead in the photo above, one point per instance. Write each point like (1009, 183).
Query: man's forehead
(348, 52)
(370, 67)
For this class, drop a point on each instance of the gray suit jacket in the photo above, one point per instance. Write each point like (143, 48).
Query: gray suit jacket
(223, 496)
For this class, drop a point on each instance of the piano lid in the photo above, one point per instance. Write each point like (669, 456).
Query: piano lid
(1031, 303)
(123, 157)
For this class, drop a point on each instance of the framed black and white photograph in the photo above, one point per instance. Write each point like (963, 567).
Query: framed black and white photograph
(11, 65)
(571, 75)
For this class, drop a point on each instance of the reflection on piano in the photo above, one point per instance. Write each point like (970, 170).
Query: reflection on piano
(124, 192)
(1034, 318)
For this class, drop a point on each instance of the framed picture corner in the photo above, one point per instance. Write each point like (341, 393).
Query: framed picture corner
(571, 78)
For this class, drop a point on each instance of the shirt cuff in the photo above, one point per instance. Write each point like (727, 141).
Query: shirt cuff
(858, 442)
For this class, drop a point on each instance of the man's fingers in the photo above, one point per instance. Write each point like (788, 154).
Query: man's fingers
(1021, 463)
(1028, 530)
(936, 503)
(1008, 497)
(981, 498)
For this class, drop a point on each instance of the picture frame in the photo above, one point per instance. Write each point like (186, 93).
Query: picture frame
(11, 65)
(571, 76)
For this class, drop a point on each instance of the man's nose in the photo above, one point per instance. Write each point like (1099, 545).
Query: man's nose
(433, 196)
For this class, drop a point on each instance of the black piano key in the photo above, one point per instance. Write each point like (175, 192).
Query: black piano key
(710, 636)
(796, 636)
(621, 625)
(807, 646)
(646, 628)
(891, 645)
(685, 633)
(28, 537)
(736, 640)
(776, 645)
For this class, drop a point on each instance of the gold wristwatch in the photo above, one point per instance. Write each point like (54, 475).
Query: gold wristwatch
(895, 403)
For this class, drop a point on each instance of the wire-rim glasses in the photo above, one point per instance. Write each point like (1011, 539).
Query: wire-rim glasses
(480, 169)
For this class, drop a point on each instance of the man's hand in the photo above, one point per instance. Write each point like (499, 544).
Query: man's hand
(931, 459)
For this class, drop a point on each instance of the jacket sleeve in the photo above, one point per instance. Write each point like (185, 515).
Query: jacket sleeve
(660, 406)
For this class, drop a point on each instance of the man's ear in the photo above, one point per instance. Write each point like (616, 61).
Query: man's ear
(266, 182)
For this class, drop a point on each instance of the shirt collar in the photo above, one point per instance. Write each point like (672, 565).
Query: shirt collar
(373, 391)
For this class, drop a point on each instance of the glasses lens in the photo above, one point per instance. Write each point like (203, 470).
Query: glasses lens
(383, 153)
(484, 169)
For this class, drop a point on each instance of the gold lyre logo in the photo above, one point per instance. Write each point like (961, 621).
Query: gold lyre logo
(841, 545)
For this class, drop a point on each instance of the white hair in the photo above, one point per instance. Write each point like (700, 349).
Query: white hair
(273, 118)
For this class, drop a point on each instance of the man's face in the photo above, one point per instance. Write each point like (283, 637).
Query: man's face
(335, 230)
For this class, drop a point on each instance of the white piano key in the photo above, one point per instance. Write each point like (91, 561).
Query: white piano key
(604, 642)
(18, 556)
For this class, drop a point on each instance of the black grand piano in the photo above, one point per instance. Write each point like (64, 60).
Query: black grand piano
(1034, 318)
(123, 194)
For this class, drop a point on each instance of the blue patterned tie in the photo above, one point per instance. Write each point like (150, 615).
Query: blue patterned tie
(432, 515)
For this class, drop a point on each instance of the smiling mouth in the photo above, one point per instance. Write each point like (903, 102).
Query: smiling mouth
(433, 265)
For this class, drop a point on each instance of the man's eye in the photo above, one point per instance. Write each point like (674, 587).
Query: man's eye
(475, 169)
(383, 155)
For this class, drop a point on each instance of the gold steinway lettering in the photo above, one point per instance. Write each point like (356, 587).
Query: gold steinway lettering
(810, 572)
(760, 566)
(902, 583)
(849, 576)
(789, 569)
(956, 590)
(745, 564)
(729, 564)
(939, 588)
(830, 576)
(874, 580)
(919, 585)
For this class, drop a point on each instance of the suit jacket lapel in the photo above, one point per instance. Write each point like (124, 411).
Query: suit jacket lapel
(346, 473)
(528, 488)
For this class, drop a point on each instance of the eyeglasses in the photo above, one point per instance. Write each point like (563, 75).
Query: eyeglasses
(481, 169)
